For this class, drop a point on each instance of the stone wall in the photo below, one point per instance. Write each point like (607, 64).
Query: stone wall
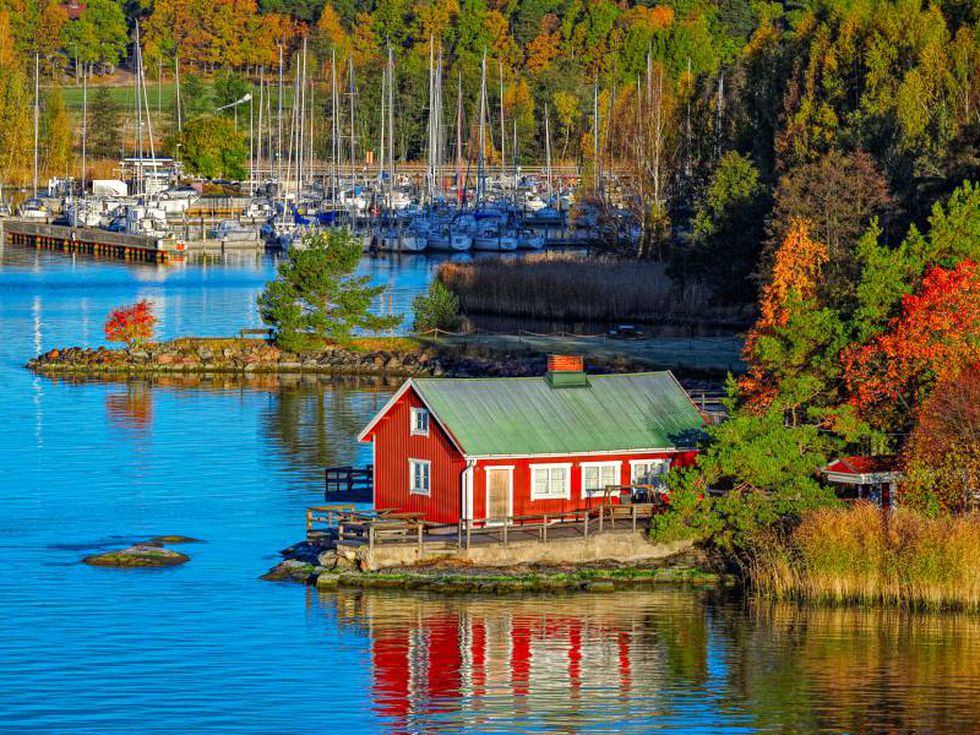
(625, 547)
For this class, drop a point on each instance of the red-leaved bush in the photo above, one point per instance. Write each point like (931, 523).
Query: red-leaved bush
(131, 324)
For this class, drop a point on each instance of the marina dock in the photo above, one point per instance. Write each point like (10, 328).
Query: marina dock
(88, 240)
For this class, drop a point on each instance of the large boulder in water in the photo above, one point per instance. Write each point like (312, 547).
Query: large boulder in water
(138, 555)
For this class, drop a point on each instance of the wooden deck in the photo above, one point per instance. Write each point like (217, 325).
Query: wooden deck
(344, 525)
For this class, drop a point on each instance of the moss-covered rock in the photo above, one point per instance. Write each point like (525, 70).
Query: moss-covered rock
(292, 570)
(138, 555)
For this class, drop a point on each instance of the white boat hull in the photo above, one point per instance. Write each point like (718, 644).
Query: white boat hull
(496, 244)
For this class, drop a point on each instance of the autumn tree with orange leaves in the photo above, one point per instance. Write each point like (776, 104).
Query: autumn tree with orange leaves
(791, 351)
(936, 336)
(131, 324)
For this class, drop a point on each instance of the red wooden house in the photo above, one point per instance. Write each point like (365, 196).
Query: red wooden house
(486, 449)
(865, 478)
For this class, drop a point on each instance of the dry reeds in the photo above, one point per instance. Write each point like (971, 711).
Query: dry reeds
(564, 287)
(862, 555)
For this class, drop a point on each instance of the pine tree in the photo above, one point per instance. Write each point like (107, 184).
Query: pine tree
(104, 139)
(316, 296)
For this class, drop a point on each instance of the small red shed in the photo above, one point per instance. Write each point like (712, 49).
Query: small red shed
(865, 477)
(486, 449)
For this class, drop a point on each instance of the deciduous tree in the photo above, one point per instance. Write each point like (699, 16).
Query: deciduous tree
(211, 147)
(131, 324)
(936, 336)
(942, 457)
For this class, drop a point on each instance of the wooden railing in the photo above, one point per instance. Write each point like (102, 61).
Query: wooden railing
(385, 527)
(325, 518)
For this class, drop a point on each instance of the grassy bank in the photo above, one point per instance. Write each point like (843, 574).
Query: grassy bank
(562, 287)
(860, 555)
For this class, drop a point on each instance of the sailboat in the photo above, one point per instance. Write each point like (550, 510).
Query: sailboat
(390, 237)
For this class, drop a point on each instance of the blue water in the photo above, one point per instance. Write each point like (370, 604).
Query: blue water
(208, 648)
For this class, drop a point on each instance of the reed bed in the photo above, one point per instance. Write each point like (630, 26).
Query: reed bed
(564, 287)
(861, 555)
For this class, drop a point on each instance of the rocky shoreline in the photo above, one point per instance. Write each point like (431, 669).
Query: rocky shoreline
(323, 568)
(394, 358)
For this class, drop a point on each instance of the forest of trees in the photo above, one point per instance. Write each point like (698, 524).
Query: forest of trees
(731, 117)
(809, 157)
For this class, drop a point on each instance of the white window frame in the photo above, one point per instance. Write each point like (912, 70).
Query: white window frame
(412, 489)
(413, 418)
(665, 461)
(617, 468)
(567, 494)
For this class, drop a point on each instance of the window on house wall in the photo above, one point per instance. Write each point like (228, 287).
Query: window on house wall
(596, 476)
(647, 471)
(550, 481)
(420, 476)
(420, 421)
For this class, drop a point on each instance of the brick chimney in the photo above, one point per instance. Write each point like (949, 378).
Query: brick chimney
(566, 371)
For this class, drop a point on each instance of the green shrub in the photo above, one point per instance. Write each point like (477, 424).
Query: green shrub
(437, 309)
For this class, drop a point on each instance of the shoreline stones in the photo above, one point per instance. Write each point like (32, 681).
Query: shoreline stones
(313, 565)
(138, 555)
(246, 356)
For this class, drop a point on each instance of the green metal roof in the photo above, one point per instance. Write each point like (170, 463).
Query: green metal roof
(518, 416)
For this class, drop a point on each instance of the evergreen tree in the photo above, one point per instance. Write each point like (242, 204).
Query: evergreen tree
(104, 135)
(316, 297)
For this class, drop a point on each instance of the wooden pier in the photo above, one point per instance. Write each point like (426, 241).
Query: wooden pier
(90, 240)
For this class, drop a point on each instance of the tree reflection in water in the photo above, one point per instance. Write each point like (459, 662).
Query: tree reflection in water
(672, 659)
(132, 407)
(315, 420)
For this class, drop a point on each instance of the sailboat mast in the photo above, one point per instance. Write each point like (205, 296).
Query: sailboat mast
(301, 130)
(279, 178)
(384, 126)
(460, 189)
(84, 125)
(258, 153)
(37, 112)
(177, 103)
(334, 135)
(503, 135)
(391, 122)
(595, 136)
(353, 173)
(311, 158)
(139, 116)
(482, 139)
(547, 147)
(440, 123)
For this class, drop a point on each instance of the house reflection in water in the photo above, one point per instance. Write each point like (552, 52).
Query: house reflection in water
(510, 662)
